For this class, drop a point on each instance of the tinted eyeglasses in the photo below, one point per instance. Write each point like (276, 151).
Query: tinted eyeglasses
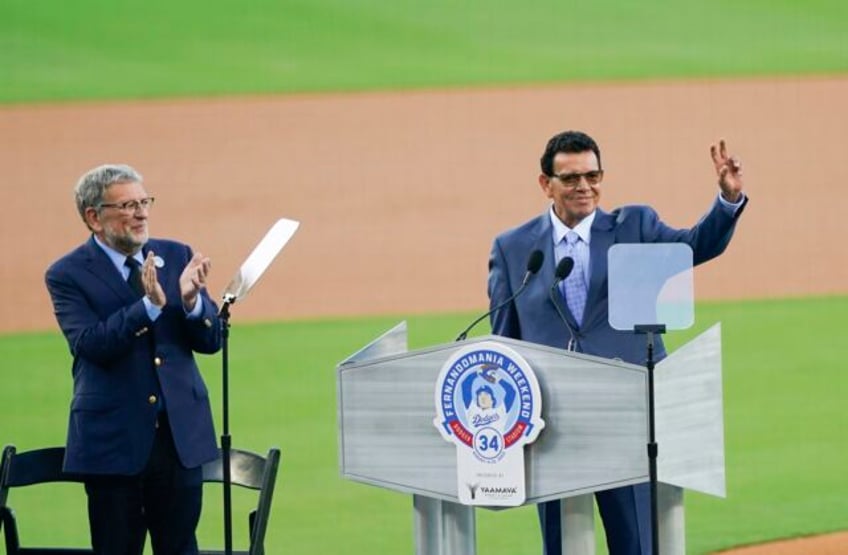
(573, 180)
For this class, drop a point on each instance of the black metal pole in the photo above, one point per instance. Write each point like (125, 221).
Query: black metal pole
(653, 449)
(226, 440)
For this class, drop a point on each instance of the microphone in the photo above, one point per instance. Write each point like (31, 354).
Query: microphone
(534, 263)
(562, 271)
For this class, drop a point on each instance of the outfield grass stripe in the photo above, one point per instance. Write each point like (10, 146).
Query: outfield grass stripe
(90, 49)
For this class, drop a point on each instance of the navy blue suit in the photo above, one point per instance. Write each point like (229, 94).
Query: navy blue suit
(533, 317)
(130, 374)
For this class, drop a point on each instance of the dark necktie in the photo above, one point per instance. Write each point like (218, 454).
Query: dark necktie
(134, 278)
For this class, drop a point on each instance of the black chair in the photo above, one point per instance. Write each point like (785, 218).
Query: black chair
(253, 471)
(41, 466)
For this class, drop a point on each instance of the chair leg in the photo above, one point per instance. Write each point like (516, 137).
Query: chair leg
(10, 530)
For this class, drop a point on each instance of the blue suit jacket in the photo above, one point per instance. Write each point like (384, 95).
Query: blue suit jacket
(533, 317)
(125, 367)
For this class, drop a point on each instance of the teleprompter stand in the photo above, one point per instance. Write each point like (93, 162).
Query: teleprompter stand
(651, 290)
(244, 280)
(650, 330)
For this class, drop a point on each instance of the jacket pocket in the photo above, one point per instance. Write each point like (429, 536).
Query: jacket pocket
(98, 423)
(95, 403)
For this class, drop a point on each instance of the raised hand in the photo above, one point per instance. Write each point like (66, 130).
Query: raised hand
(193, 279)
(729, 171)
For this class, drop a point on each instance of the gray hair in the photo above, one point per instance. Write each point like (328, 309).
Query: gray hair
(93, 184)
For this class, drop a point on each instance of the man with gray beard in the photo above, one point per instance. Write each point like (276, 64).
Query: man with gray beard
(134, 310)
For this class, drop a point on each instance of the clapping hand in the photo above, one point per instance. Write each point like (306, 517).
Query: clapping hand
(152, 288)
(193, 279)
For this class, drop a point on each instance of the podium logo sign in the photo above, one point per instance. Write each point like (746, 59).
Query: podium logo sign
(489, 405)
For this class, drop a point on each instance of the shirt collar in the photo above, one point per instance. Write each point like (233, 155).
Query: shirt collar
(118, 258)
(583, 229)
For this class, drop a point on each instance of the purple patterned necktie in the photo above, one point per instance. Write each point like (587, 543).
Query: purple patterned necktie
(574, 286)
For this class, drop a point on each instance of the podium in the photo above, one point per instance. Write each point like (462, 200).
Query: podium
(595, 436)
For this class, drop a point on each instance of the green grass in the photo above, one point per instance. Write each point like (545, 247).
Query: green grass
(99, 49)
(785, 390)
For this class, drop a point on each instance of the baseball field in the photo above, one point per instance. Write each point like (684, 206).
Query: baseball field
(404, 136)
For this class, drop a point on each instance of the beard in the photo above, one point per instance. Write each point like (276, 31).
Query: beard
(126, 242)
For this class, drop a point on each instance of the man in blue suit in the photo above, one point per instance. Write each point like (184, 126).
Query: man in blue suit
(572, 177)
(134, 310)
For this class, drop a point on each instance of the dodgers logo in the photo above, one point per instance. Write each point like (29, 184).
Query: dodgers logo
(488, 403)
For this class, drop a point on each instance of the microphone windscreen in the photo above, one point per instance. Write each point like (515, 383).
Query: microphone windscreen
(564, 268)
(535, 261)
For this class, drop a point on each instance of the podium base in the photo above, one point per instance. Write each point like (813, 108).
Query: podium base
(672, 522)
(443, 528)
(577, 516)
(578, 522)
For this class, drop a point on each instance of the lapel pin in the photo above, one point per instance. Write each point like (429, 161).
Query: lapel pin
(158, 262)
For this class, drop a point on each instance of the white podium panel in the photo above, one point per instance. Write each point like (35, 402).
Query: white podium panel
(595, 435)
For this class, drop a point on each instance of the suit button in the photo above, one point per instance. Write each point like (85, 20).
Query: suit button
(152, 399)
(207, 322)
(157, 361)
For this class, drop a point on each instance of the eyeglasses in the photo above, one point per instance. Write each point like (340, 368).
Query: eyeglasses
(573, 180)
(130, 206)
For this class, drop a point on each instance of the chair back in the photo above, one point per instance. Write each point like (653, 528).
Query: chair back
(249, 470)
(40, 466)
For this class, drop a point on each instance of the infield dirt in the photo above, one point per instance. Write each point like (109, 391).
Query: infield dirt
(400, 195)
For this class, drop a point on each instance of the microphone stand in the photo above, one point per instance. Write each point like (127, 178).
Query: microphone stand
(226, 440)
(572, 342)
(534, 263)
(653, 450)
(562, 271)
(462, 336)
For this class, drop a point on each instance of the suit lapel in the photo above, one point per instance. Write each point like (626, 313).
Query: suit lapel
(603, 236)
(543, 242)
(100, 266)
